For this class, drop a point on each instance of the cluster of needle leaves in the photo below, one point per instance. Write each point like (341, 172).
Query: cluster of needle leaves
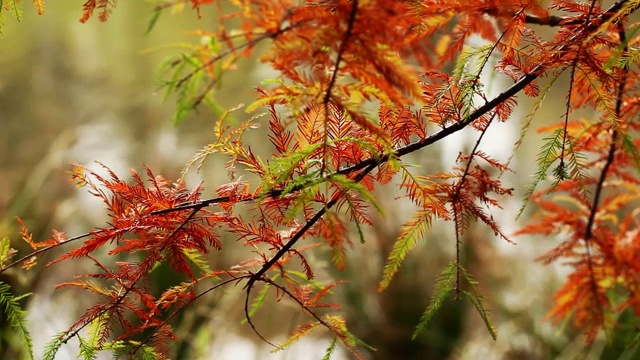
(361, 84)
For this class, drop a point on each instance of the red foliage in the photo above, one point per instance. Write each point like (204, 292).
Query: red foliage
(338, 59)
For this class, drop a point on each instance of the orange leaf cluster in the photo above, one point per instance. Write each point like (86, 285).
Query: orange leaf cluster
(336, 61)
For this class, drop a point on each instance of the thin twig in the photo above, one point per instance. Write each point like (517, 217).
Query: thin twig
(327, 95)
(286, 291)
(455, 197)
(47, 248)
(259, 275)
(129, 287)
(417, 145)
(189, 302)
(551, 20)
(603, 175)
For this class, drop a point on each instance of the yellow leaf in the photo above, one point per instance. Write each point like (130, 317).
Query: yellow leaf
(39, 4)
(443, 44)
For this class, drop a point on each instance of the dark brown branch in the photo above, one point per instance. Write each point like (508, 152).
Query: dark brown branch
(454, 199)
(298, 235)
(488, 106)
(334, 76)
(375, 161)
(128, 287)
(554, 20)
(560, 173)
(600, 185)
(285, 291)
(551, 20)
(259, 275)
(230, 51)
(415, 146)
(341, 50)
(366, 166)
(47, 248)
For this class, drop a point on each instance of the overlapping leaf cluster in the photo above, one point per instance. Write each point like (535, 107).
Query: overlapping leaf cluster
(360, 85)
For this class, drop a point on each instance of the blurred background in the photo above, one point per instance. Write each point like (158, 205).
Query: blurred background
(72, 92)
